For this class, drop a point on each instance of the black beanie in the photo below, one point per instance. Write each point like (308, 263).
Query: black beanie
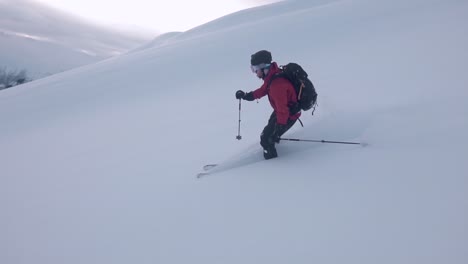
(263, 56)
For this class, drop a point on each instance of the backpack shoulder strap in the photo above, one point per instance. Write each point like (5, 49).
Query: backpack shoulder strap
(277, 75)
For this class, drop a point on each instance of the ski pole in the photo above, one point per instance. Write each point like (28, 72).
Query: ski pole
(323, 141)
(239, 137)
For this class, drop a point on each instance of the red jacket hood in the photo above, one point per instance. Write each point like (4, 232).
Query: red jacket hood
(274, 69)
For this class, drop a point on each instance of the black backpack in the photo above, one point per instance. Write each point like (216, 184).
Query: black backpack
(305, 90)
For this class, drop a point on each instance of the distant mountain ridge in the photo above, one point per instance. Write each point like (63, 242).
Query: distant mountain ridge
(45, 41)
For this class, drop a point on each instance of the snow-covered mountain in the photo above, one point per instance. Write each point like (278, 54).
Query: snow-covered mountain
(45, 41)
(98, 164)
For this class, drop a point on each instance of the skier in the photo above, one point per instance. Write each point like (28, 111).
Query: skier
(282, 97)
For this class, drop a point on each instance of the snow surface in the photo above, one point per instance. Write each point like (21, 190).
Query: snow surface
(98, 164)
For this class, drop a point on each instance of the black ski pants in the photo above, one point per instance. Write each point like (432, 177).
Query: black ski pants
(266, 138)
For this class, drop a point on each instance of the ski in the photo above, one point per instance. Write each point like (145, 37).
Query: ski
(201, 174)
(206, 170)
(245, 157)
(209, 166)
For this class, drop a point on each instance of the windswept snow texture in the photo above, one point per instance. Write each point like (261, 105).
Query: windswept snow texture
(98, 164)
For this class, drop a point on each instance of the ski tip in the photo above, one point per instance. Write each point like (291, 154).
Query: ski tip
(209, 166)
(206, 170)
(364, 144)
(201, 174)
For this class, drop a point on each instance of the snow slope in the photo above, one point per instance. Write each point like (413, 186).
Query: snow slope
(98, 164)
(45, 41)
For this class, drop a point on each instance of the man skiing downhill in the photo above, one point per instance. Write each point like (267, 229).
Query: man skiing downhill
(282, 97)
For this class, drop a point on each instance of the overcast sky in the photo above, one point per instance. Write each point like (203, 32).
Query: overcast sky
(153, 15)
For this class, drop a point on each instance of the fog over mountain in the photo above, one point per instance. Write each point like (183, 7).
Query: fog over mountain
(44, 41)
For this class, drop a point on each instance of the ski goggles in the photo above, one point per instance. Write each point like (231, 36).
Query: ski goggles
(258, 67)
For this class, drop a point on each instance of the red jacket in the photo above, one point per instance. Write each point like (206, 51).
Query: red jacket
(281, 95)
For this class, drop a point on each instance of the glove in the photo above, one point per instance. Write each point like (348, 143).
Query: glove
(240, 94)
(278, 132)
(249, 96)
(246, 96)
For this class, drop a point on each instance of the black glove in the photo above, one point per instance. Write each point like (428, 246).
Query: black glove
(278, 132)
(246, 96)
(240, 94)
(249, 96)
